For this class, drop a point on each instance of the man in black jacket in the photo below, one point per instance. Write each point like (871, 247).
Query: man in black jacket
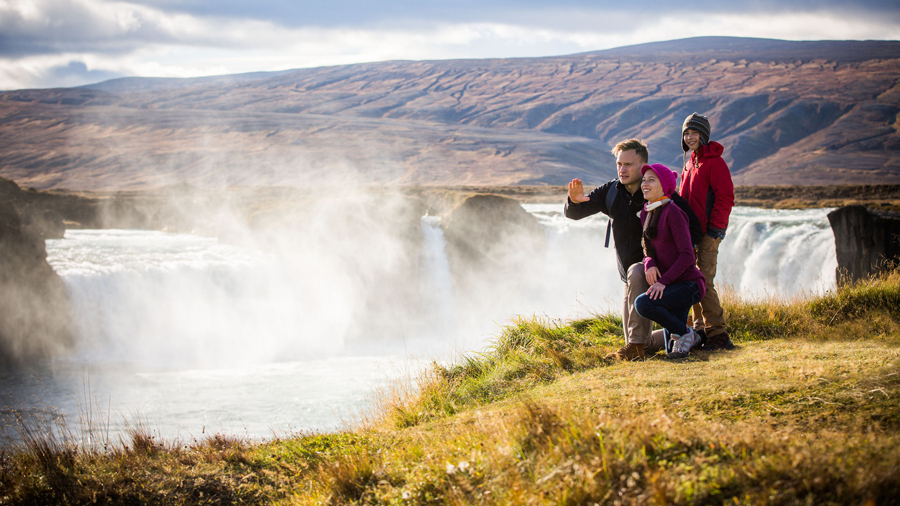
(621, 199)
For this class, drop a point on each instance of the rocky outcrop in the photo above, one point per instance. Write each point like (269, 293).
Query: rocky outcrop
(865, 241)
(490, 234)
(34, 312)
(176, 208)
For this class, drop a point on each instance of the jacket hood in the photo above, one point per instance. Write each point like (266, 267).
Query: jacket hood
(711, 150)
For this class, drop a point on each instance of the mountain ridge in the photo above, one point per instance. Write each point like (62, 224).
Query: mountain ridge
(801, 118)
(774, 49)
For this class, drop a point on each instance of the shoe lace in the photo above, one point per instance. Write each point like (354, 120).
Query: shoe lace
(677, 343)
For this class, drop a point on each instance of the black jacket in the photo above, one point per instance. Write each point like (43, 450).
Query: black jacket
(626, 221)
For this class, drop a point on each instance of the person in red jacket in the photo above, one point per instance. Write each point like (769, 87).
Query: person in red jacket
(706, 185)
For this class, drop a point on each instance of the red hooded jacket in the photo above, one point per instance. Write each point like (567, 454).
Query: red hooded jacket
(706, 185)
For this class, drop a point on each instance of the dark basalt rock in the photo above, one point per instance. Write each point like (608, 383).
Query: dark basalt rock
(34, 311)
(865, 241)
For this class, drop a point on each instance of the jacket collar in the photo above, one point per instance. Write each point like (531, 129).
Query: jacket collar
(636, 197)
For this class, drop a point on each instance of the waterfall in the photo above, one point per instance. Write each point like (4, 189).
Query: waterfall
(578, 275)
(438, 279)
(191, 333)
(783, 252)
(175, 300)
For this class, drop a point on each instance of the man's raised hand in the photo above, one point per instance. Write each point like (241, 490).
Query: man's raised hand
(576, 192)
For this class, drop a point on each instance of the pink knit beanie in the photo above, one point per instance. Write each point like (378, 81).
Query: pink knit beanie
(667, 178)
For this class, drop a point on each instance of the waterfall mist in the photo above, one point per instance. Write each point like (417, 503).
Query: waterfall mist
(373, 274)
(286, 316)
(368, 275)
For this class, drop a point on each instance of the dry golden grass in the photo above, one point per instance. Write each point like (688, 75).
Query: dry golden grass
(780, 421)
(805, 411)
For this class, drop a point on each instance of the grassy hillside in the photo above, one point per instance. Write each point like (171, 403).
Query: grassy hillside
(806, 410)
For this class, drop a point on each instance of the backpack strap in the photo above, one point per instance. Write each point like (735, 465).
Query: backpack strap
(611, 195)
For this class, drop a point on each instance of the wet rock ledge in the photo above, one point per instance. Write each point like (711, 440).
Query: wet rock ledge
(866, 241)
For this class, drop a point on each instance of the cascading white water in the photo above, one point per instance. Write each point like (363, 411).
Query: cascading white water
(169, 300)
(176, 300)
(187, 333)
(783, 252)
(436, 270)
(578, 274)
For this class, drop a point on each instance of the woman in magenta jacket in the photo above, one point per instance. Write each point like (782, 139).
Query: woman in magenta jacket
(669, 263)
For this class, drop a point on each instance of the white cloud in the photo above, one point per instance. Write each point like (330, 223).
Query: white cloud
(120, 38)
(821, 25)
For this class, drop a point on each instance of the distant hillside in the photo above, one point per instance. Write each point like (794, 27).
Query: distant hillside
(787, 112)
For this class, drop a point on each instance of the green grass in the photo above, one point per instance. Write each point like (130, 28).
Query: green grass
(526, 353)
(805, 411)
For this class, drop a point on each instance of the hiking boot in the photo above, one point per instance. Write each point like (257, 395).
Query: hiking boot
(702, 342)
(728, 344)
(691, 340)
(681, 345)
(675, 344)
(631, 351)
(718, 342)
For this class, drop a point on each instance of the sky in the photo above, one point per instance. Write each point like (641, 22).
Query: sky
(62, 43)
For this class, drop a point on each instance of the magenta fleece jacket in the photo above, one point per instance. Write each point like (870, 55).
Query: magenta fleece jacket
(674, 251)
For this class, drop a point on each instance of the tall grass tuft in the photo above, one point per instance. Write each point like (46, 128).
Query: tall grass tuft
(878, 294)
(770, 317)
(351, 476)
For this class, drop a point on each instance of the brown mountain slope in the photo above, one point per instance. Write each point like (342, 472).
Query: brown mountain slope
(102, 147)
(787, 113)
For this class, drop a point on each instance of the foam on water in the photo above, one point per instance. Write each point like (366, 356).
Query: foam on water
(86, 253)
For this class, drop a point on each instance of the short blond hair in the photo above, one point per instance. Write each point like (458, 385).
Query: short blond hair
(636, 145)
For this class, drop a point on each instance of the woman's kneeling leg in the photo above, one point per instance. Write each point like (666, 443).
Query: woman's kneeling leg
(670, 310)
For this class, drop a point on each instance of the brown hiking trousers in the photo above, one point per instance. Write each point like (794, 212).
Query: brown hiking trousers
(637, 328)
(708, 314)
